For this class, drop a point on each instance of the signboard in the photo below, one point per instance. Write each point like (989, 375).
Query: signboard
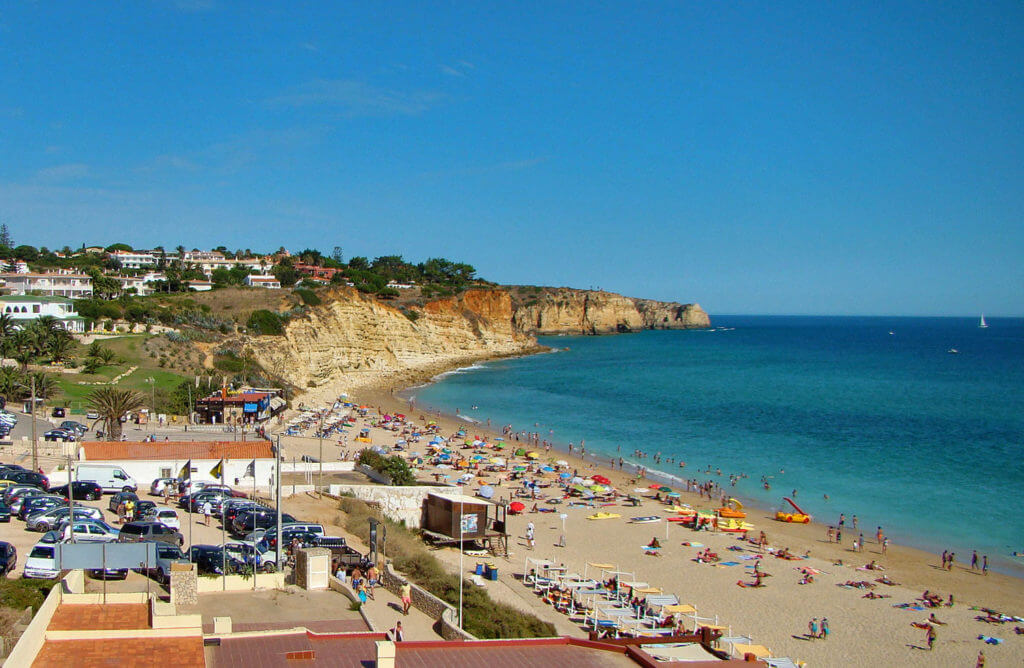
(470, 524)
(105, 555)
(250, 408)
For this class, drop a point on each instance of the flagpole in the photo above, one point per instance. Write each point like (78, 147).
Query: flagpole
(277, 494)
(254, 569)
(223, 539)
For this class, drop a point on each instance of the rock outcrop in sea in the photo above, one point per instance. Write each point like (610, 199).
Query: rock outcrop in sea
(360, 342)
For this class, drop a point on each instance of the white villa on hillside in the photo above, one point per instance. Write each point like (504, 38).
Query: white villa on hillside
(24, 308)
(255, 281)
(54, 284)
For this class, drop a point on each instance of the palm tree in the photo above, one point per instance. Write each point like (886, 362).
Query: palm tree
(113, 404)
(46, 385)
(23, 345)
(10, 382)
(60, 345)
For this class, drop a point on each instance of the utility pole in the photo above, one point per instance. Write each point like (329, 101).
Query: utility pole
(35, 443)
(320, 433)
(277, 495)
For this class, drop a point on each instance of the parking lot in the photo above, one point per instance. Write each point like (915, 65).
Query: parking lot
(193, 528)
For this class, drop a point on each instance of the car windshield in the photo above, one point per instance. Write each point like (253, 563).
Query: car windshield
(133, 529)
(42, 552)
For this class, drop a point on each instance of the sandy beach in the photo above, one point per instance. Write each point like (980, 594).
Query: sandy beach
(863, 630)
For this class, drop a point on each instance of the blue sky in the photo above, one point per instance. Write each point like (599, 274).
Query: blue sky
(757, 158)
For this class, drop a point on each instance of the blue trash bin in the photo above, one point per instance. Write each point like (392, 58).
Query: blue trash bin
(492, 573)
(479, 568)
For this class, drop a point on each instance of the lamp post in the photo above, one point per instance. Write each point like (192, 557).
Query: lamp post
(35, 443)
(152, 402)
(320, 433)
(462, 571)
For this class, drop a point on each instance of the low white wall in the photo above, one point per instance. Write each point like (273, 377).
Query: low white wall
(32, 640)
(208, 585)
(401, 504)
(314, 467)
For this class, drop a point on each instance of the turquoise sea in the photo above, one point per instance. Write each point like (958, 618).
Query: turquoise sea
(872, 411)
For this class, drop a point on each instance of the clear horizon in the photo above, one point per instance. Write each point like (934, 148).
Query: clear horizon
(831, 159)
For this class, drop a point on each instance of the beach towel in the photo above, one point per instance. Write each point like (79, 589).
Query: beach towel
(749, 585)
(730, 563)
(693, 544)
(990, 640)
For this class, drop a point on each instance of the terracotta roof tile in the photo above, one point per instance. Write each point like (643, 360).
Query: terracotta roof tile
(101, 451)
(184, 652)
(100, 617)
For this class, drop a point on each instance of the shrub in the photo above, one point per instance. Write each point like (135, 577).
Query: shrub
(19, 594)
(482, 616)
(309, 298)
(266, 323)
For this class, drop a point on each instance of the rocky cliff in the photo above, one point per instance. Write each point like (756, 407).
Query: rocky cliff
(352, 341)
(568, 311)
(356, 341)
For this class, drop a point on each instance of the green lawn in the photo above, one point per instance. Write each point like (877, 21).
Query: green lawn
(130, 349)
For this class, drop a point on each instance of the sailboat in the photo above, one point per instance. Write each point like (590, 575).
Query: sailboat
(983, 324)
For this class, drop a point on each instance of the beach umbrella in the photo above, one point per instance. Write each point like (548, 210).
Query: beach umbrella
(674, 494)
(517, 506)
(532, 455)
(486, 491)
(601, 479)
(561, 462)
(577, 479)
(520, 467)
(547, 469)
(654, 486)
(565, 475)
(664, 489)
(497, 460)
(520, 452)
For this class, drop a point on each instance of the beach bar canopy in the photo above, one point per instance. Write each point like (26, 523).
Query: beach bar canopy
(442, 514)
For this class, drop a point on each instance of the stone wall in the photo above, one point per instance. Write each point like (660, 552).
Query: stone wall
(401, 504)
(428, 604)
(184, 584)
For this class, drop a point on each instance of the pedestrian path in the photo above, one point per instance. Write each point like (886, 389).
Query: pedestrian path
(385, 609)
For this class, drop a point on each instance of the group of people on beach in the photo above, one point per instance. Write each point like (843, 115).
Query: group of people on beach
(818, 629)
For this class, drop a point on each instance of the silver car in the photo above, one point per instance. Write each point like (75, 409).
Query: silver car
(48, 519)
(90, 531)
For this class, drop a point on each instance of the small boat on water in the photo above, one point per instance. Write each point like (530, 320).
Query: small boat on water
(953, 351)
(982, 324)
(647, 519)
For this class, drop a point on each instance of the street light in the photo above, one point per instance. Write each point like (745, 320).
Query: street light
(152, 403)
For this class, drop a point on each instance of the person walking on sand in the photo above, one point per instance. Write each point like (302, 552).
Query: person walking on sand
(984, 565)
(885, 545)
(824, 628)
(812, 628)
(974, 561)
(932, 635)
(945, 558)
(207, 512)
(949, 563)
(529, 535)
(980, 663)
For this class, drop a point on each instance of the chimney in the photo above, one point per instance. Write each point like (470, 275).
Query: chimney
(385, 654)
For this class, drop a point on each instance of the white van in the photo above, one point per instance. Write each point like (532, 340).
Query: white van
(111, 477)
(42, 562)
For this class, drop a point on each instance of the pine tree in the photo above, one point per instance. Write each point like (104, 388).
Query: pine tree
(5, 236)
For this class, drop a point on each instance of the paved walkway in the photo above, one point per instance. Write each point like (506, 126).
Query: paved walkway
(385, 609)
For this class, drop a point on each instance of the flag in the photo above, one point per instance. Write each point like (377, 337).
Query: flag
(218, 470)
(250, 470)
(186, 471)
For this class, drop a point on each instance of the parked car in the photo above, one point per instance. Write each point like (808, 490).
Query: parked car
(232, 507)
(37, 504)
(250, 520)
(46, 520)
(28, 478)
(92, 415)
(71, 425)
(305, 538)
(58, 412)
(166, 516)
(107, 573)
(83, 489)
(17, 500)
(156, 488)
(250, 554)
(119, 498)
(14, 488)
(136, 532)
(212, 559)
(165, 556)
(292, 526)
(60, 435)
(5, 512)
(194, 502)
(41, 562)
(85, 531)
(8, 558)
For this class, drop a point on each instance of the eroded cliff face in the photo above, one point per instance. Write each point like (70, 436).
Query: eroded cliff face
(360, 342)
(353, 341)
(568, 311)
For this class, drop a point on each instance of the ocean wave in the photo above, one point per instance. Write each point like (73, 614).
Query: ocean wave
(455, 372)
